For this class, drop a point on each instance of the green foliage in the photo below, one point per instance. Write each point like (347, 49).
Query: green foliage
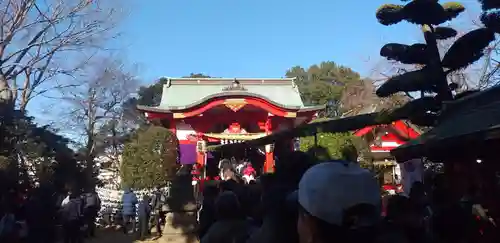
(414, 54)
(468, 49)
(419, 12)
(452, 10)
(389, 14)
(432, 77)
(343, 146)
(489, 4)
(428, 12)
(424, 111)
(335, 143)
(197, 75)
(407, 82)
(443, 33)
(150, 159)
(36, 149)
(324, 83)
(491, 20)
(150, 96)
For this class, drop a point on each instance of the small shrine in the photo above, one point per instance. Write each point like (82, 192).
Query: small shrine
(381, 140)
(212, 111)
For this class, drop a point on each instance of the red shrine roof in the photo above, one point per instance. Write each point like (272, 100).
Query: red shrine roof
(182, 94)
(390, 136)
(402, 130)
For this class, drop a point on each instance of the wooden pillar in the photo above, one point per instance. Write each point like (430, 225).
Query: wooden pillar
(201, 152)
(269, 163)
(200, 158)
(172, 126)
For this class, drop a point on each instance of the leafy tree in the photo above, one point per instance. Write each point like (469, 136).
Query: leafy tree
(338, 145)
(333, 142)
(150, 96)
(40, 157)
(150, 159)
(431, 79)
(323, 84)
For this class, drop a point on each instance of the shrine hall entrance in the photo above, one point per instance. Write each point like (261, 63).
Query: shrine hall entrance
(252, 155)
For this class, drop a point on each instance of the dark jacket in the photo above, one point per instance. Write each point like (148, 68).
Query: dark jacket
(158, 200)
(144, 209)
(228, 231)
(206, 217)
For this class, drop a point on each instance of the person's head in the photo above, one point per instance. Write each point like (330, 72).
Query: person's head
(349, 153)
(75, 192)
(127, 189)
(319, 153)
(417, 188)
(145, 198)
(337, 200)
(293, 166)
(223, 163)
(227, 206)
(439, 182)
(401, 211)
(210, 191)
(229, 185)
(417, 192)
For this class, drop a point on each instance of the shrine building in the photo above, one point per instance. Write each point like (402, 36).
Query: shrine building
(381, 140)
(203, 111)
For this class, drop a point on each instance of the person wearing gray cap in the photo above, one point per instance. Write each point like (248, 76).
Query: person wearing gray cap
(338, 202)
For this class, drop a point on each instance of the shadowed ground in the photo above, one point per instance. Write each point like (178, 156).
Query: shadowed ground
(117, 236)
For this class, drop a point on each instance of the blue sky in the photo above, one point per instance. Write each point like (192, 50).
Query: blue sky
(259, 38)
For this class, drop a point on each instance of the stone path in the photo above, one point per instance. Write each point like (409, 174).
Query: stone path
(117, 236)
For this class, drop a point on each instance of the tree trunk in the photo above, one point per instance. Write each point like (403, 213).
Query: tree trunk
(7, 139)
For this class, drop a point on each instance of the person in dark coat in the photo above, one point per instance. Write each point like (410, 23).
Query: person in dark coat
(72, 215)
(129, 202)
(92, 205)
(206, 215)
(158, 203)
(230, 226)
(144, 213)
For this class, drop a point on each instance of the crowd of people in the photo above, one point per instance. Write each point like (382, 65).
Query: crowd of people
(232, 168)
(140, 216)
(46, 218)
(35, 217)
(305, 201)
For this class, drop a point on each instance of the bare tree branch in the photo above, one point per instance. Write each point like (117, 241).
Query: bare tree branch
(95, 104)
(44, 41)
